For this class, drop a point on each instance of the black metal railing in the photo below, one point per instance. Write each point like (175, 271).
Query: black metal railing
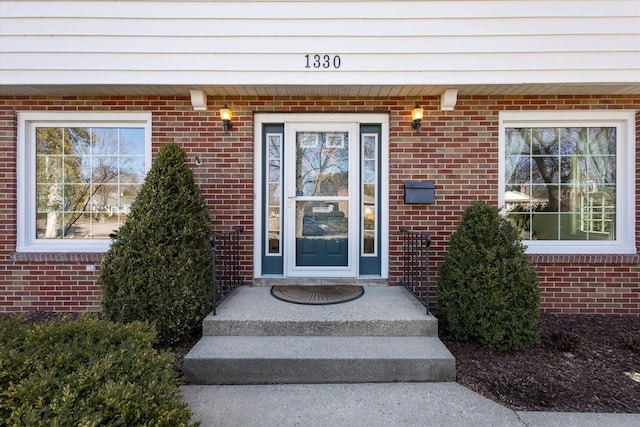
(415, 266)
(225, 253)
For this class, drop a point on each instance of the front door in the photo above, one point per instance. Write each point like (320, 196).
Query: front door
(322, 186)
(321, 176)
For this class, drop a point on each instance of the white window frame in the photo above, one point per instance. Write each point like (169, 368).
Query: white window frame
(624, 121)
(26, 165)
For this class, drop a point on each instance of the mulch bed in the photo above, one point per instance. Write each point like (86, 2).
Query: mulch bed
(584, 363)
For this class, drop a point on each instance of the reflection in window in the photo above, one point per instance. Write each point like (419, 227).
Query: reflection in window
(274, 198)
(561, 182)
(322, 164)
(369, 193)
(328, 220)
(86, 179)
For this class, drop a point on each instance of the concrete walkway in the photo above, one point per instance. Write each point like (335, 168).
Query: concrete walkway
(371, 405)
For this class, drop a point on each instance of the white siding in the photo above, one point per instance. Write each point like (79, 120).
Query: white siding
(264, 43)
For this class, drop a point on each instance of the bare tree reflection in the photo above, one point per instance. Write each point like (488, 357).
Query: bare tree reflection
(80, 174)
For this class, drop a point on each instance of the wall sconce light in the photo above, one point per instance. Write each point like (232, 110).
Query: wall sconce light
(416, 117)
(225, 115)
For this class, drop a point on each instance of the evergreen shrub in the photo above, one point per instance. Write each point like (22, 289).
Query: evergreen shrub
(158, 268)
(487, 291)
(86, 372)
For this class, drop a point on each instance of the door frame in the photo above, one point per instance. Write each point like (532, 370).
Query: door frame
(329, 119)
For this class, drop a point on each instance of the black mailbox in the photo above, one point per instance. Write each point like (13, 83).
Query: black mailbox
(419, 192)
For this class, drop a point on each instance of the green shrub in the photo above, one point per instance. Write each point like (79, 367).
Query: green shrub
(487, 290)
(86, 372)
(158, 268)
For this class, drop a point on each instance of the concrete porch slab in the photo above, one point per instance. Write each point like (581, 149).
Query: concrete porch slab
(381, 310)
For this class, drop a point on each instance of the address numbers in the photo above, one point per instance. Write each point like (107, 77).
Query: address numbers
(322, 61)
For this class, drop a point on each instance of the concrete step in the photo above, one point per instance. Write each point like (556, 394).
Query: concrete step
(384, 336)
(381, 311)
(318, 359)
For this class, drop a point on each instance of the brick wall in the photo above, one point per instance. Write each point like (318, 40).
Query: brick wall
(457, 150)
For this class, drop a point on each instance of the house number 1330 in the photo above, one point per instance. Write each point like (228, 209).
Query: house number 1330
(322, 61)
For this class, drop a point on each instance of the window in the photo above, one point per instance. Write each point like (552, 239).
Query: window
(567, 180)
(77, 176)
(369, 194)
(274, 196)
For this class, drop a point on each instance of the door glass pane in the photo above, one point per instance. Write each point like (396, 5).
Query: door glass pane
(322, 164)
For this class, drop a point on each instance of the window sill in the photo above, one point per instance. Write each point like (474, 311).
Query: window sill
(57, 256)
(584, 259)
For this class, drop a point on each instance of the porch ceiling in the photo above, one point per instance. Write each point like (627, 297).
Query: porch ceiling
(322, 90)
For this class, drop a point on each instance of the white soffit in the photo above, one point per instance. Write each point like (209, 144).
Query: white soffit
(318, 90)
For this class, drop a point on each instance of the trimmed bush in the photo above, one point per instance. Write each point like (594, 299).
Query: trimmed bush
(158, 268)
(487, 290)
(86, 372)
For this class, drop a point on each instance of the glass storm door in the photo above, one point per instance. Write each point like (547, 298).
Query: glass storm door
(321, 193)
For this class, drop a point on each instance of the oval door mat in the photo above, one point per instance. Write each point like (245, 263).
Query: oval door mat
(317, 295)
